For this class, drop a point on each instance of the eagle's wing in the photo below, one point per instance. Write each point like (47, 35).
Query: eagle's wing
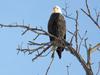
(52, 26)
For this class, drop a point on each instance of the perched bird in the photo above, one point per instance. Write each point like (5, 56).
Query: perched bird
(57, 27)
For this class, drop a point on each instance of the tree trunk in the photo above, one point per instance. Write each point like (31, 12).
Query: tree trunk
(89, 72)
(86, 67)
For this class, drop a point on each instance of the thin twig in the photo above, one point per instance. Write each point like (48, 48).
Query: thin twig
(85, 43)
(88, 13)
(42, 52)
(72, 37)
(82, 38)
(36, 37)
(76, 35)
(49, 66)
(65, 9)
(38, 44)
(91, 19)
(97, 46)
(86, 2)
(71, 32)
(46, 54)
(97, 15)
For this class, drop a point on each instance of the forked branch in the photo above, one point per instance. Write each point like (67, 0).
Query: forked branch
(88, 13)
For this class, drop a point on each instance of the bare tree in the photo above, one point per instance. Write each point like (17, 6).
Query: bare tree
(41, 48)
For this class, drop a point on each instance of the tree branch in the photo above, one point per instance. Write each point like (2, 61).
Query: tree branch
(61, 43)
(49, 66)
(76, 35)
(88, 13)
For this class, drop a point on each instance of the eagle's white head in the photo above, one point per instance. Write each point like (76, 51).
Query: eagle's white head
(56, 9)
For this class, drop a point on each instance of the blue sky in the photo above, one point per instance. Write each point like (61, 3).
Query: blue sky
(37, 13)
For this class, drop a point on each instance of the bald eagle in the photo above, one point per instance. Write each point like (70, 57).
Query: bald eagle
(57, 27)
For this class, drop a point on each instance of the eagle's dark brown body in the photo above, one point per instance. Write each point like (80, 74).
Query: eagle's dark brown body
(57, 27)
